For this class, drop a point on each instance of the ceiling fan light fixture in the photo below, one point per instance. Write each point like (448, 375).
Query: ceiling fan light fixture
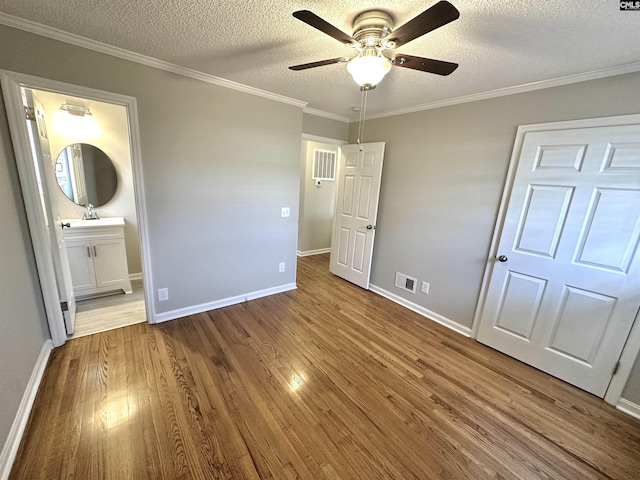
(369, 67)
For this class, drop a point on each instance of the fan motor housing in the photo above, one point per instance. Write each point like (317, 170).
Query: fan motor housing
(371, 26)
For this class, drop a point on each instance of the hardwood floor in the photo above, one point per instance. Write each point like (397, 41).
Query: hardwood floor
(325, 382)
(109, 312)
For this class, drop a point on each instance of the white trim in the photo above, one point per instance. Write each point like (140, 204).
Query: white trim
(10, 449)
(330, 141)
(77, 40)
(632, 346)
(11, 83)
(141, 207)
(135, 276)
(629, 408)
(35, 215)
(313, 252)
(616, 121)
(627, 358)
(225, 302)
(436, 317)
(320, 113)
(524, 88)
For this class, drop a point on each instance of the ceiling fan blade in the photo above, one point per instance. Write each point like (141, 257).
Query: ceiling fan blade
(321, 63)
(315, 21)
(424, 64)
(435, 17)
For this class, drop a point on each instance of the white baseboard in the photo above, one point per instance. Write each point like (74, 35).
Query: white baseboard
(436, 317)
(225, 302)
(135, 276)
(313, 252)
(10, 449)
(629, 408)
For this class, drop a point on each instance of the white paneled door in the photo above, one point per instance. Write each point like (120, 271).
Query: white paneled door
(354, 225)
(565, 286)
(45, 168)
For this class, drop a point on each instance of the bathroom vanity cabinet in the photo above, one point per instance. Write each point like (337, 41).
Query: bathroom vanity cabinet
(97, 256)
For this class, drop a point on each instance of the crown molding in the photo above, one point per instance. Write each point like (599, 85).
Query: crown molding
(320, 113)
(527, 87)
(77, 40)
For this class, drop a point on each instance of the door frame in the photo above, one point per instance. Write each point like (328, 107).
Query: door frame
(327, 140)
(632, 347)
(303, 158)
(11, 83)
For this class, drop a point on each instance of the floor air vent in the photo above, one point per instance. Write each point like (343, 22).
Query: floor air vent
(405, 282)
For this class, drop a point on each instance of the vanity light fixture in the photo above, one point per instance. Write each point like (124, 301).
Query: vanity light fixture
(77, 110)
(75, 122)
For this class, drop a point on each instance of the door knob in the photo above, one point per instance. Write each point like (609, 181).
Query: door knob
(67, 225)
(502, 258)
(370, 227)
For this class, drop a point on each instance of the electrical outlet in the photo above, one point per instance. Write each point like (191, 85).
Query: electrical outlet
(281, 267)
(285, 212)
(424, 288)
(163, 294)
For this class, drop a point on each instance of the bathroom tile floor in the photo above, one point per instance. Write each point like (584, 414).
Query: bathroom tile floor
(106, 313)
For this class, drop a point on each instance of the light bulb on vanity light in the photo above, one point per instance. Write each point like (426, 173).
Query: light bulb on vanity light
(75, 121)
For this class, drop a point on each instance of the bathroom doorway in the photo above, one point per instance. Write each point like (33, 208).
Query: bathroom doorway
(110, 271)
(91, 161)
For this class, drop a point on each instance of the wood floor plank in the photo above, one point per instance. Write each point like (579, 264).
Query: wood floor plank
(325, 382)
(156, 427)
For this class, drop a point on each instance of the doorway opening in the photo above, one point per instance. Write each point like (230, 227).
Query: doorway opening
(84, 198)
(317, 194)
(91, 162)
(341, 220)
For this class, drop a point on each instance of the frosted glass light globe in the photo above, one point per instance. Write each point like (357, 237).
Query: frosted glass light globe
(369, 69)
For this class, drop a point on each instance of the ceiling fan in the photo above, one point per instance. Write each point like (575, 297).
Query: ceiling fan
(373, 34)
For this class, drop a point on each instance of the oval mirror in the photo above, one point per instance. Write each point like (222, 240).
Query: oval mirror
(86, 175)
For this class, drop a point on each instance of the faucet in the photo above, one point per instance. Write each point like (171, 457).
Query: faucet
(90, 214)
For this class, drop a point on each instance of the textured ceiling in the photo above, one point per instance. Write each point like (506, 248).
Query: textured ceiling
(498, 43)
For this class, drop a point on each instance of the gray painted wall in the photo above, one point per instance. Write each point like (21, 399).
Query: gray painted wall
(443, 176)
(632, 389)
(324, 127)
(317, 203)
(218, 165)
(23, 327)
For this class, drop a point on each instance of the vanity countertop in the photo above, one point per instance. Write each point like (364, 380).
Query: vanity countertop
(102, 222)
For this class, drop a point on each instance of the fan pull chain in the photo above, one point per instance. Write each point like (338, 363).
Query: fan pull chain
(363, 114)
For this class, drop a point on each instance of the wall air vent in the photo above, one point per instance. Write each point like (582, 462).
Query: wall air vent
(405, 282)
(324, 165)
